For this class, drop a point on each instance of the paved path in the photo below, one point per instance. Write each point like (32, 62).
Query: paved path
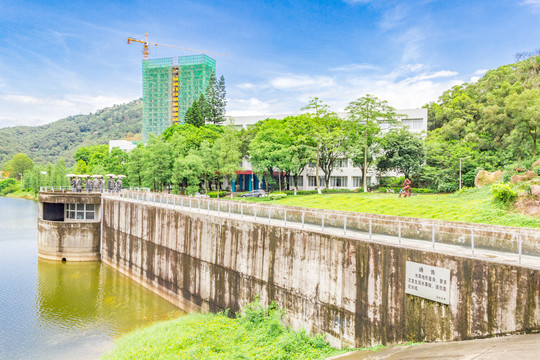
(521, 347)
(464, 251)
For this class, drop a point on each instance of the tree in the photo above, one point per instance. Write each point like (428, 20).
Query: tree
(194, 115)
(365, 115)
(524, 109)
(215, 98)
(18, 165)
(227, 155)
(134, 166)
(157, 163)
(401, 151)
(270, 149)
(187, 171)
(316, 131)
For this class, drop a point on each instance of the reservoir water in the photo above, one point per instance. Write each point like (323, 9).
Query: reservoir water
(54, 310)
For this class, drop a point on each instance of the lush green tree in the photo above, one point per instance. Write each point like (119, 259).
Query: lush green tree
(401, 151)
(188, 171)
(157, 164)
(194, 115)
(269, 149)
(366, 114)
(227, 155)
(324, 135)
(215, 98)
(135, 166)
(524, 109)
(18, 165)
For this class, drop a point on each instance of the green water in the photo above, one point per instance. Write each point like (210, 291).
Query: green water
(53, 310)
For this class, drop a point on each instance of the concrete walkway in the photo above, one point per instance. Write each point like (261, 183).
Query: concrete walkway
(522, 347)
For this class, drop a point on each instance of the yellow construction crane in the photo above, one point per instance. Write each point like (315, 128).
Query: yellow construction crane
(145, 51)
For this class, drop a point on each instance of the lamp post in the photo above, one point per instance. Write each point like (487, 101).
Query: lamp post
(460, 170)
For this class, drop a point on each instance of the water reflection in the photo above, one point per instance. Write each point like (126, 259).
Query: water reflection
(54, 310)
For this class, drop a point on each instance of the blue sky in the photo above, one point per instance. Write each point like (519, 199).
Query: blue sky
(60, 58)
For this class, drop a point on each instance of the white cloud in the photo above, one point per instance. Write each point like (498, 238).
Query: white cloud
(292, 82)
(412, 41)
(393, 17)
(251, 106)
(535, 3)
(245, 86)
(481, 71)
(474, 79)
(407, 86)
(354, 67)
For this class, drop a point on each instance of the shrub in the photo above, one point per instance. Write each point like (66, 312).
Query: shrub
(503, 193)
(391, 181)
(537, 170)
(213, 194)
(277, 196)
(312, 192)
(446, 187)
(413, 190)
(7, 183)
(506, 177)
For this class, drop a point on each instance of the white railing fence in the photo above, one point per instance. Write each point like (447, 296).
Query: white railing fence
(519, 241)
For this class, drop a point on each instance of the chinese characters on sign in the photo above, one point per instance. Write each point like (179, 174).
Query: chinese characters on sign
(429, 282)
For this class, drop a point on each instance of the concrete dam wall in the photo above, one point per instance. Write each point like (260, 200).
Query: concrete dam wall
(353, 291)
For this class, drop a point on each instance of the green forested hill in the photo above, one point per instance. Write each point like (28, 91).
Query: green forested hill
(492, 124)
(48, 143)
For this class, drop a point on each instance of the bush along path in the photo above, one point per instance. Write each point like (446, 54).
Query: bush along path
(256, 333)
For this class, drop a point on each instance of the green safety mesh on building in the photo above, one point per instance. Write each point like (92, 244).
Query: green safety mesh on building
(193, 78)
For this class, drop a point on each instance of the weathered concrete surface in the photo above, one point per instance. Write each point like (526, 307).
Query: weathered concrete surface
(73, 241)
(352, 291)
(523, 347)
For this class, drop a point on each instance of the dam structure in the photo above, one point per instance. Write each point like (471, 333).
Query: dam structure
(359, 279)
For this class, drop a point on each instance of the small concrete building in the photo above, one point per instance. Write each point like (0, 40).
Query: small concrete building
(69, 226)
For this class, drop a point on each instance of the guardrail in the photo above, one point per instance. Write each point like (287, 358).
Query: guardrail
(64, 189)
(520, 241)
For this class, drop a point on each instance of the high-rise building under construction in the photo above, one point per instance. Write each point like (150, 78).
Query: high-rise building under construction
(170, 85)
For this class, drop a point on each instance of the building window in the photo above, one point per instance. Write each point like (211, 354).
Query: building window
(341, 163)
(80, 212)
(338, 181)
(413, 124)
(357, 181)
(313, 182)
(300, 180)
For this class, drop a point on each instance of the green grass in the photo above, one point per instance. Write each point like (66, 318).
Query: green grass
(257, 334)
(23, 195)
(472, 205)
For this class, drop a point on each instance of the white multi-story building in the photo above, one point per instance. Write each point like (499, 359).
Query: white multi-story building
(345, 174)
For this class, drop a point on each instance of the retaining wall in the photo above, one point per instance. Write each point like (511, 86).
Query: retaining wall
(352, 291)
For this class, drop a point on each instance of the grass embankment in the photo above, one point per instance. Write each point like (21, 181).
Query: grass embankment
(471, 205)
(256, 334)
(23, 195)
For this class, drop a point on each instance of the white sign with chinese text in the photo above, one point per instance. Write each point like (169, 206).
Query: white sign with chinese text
(429, 282)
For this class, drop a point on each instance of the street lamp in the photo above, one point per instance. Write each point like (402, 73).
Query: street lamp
(460, 170)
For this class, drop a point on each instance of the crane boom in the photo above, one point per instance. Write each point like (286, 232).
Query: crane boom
(146, 43)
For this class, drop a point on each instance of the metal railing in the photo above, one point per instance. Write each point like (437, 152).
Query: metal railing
(430, 234)
(65, 189)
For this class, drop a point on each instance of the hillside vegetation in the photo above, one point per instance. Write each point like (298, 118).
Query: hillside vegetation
(60, 139)
(492, 124)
